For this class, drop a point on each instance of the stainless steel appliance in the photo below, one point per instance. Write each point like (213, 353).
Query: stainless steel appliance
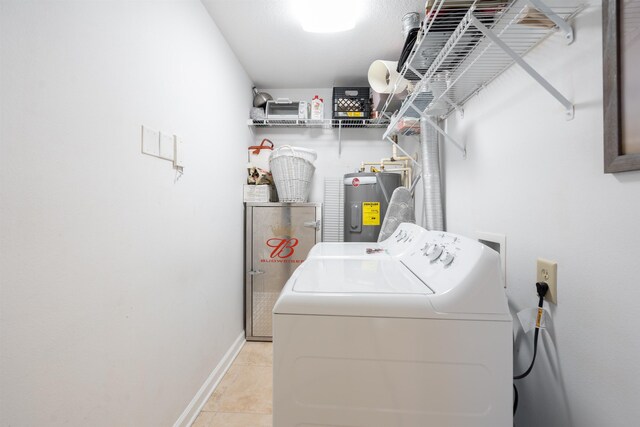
(260, 98)
(284, 109)
(366, 197)
(278, 238)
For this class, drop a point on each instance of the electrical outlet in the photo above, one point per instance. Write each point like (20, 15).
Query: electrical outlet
(547, 271)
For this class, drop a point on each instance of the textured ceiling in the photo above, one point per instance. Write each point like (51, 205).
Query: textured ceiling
(277, 53)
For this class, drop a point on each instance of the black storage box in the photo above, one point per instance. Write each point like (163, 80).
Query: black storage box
(351, 103)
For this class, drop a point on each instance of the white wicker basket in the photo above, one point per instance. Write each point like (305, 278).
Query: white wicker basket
(292, 169)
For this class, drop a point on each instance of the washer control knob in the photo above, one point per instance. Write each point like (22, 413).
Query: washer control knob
(425, 248)
(447, 258)
(434, 252)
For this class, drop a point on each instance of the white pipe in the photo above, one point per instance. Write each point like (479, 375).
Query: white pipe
(395, 160)
(383, 162)
(407, 171)
(395, 145)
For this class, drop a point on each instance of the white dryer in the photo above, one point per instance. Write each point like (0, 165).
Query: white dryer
(416, 335)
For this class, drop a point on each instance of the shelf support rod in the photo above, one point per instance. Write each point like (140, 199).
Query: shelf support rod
(339, 138)
(560, 23)
(525, 66)
(453, 104)
(414, 71)
(429, 120)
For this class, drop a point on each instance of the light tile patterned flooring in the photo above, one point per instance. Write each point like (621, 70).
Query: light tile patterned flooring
(244, 396)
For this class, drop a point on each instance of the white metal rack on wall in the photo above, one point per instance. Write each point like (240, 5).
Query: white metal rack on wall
(332, 124)
(323, 124)
(465, 44)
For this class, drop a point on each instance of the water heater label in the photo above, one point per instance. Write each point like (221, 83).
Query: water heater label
(370, 213)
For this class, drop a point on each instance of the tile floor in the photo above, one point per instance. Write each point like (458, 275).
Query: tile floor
(244, 396)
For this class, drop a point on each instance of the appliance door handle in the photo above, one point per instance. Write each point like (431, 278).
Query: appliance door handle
(255, 272)
(312, 224)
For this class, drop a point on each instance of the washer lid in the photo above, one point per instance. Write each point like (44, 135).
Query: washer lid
(380, 287)
(407, 238)
(347, 250)
(358, 276)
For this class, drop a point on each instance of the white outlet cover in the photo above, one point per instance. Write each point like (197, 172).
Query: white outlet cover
(150, 141)
(550, 276)
(166, 146)
(178, 157)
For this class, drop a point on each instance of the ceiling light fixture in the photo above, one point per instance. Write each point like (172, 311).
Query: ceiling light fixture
(327, 16)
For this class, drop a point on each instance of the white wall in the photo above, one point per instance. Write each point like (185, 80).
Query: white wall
(121, 290)
(358, 145)
(538, 178)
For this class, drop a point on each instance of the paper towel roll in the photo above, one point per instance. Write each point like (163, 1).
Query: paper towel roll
(383, 75)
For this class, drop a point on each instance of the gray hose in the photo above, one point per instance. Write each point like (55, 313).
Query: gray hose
(432, 194)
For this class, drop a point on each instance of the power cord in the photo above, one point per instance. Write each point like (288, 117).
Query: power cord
(542, 288)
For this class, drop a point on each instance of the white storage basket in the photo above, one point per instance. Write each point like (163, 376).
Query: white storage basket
(292, 169)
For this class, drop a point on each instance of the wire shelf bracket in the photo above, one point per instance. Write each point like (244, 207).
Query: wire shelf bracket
(463, 46)
(569, 108)
(447, 137)
(562, 25)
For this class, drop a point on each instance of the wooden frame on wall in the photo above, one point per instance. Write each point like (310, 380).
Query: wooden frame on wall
(617, 158)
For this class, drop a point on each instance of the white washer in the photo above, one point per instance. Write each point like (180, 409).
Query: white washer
(417, 336)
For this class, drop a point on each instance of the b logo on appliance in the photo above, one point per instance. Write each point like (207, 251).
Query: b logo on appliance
(282, 248)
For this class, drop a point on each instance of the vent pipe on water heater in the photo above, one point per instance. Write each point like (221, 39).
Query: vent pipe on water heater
(432, 203)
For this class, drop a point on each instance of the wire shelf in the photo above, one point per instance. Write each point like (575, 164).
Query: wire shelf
(321, 124)
(465, 44)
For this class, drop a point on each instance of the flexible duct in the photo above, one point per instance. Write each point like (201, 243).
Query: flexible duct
(432, 194)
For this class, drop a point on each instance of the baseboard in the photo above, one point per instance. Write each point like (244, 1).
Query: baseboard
(191, 412)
